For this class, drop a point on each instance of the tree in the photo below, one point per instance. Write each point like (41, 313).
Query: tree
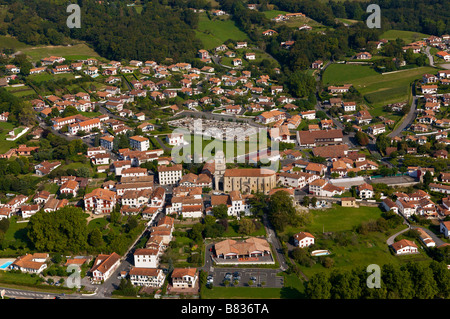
(220, 211)
(398, 282)
(427, 179)
(318, 286)
(281, 210)
(362, 138)
(61, 230)
(424, 284)
(442, 278)
(246, 226)
(344, 285)
(96, 238)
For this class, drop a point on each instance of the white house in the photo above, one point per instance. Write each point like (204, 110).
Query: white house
(149, 277)
(365, 191)
(184, 277)
(349, 106)
(104, 266)
(308, 115)
(30, 263)
(175, 139)
(146, 257)
(140, 143)
(303, 239)
(405, 246)
(444, 228)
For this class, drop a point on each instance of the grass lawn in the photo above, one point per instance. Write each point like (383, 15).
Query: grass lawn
(341, 218)
(378, 89)
(20, 91)
(16, 230)
(407, 36)
(99, 223)
(52, 188)
(270, 14)
(233, 228)
(360, 250)
(5, 145)
(215, 32)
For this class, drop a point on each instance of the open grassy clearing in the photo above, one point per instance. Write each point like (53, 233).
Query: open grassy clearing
(5, 145)
(74, 52)
(378, 89)
(361, 250)
(9, 42)
(407, 36)
(216, 31)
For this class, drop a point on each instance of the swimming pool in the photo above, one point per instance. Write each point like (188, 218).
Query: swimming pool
(5, 265)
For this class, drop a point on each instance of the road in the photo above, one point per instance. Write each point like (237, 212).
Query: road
(407, 121)
(436, 239)
(430, 57)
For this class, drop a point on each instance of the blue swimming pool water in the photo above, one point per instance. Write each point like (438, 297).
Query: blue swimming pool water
(5, 265)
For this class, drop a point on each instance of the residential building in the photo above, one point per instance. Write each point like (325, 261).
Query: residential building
(147, 277)
(184, 277)
(303, 239)
(405, 246)
(104, 266)
(170, 175)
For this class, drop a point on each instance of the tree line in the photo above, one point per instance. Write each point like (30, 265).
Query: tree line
(413, 280)
(114, 30)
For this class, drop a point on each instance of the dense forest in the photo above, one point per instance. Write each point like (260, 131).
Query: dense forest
(116, 31)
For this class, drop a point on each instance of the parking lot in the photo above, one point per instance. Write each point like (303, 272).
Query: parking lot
(240, 277)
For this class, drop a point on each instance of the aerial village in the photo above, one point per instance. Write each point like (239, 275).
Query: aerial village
(107, 148)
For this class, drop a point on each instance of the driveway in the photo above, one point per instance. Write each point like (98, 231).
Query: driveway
(436, 239)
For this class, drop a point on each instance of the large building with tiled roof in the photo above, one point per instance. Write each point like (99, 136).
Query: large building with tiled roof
(247, 180)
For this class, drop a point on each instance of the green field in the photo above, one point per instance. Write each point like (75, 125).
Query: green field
(360, 250)
(378, 89)
(270, 14)
(9, 42)
(407, 36)
(215, 32)
(293, 22)
(5, 145)
(341, 218)
(74, 52)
